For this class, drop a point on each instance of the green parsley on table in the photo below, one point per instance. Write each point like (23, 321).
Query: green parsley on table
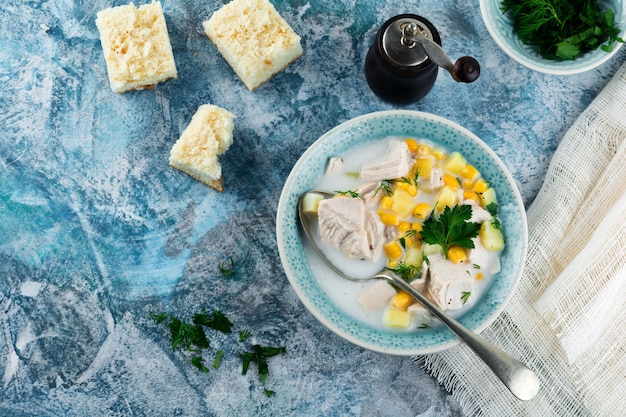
(191, 337)
(216, 321)
(227, 269)
(244, 334)
(451, 227)
(259, 355)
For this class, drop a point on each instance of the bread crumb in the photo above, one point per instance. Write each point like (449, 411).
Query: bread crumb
(197, 151)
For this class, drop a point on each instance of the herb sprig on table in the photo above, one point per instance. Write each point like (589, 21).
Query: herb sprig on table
(562, 29)
(191, 337)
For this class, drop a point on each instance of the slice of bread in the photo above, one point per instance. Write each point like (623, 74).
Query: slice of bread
(208, 135)
(136, 46)
(254, 39)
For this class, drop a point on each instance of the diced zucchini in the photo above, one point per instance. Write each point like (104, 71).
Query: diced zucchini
(310, 202)
(488, 197)
(429, 250)
(424, 167)
(396, 318)
(413, 256)
(491, 236)
(403, 203)
(455, 163)
(446, 197)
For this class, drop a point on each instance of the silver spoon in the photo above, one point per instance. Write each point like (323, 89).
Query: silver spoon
(518, 378)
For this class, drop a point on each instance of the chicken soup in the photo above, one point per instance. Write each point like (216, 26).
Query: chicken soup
(410, 206)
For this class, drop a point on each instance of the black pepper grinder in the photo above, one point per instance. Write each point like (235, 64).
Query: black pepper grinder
(402, 65)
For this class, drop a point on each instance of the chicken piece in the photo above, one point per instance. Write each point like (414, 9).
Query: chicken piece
(395, 163)
(483, 258)
(432, 182)
(370, 193)
(449, 283)
(377, 295)
(346, 225)
(421, 315)
(479, 214)
(419, 284)
(334, 166)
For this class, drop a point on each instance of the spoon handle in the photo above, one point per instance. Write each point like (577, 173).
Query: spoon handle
(518, 378)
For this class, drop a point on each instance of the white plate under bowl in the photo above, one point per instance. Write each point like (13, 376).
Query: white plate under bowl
(305, 271)
(500, 28)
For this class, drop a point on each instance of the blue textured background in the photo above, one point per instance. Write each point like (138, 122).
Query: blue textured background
(97, 232)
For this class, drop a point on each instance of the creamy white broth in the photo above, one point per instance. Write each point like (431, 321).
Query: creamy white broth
(345, 293)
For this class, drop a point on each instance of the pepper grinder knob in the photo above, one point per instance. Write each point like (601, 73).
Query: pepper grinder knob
(466, 69)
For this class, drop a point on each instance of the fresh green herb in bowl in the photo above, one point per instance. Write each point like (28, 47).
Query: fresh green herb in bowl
(557, 36)
(563, 29)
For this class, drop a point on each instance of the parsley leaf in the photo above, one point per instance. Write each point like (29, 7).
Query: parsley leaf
(563, 29)
(216, 321)
(244, 334)
(260, 354)
(218, 359)
(198, 362)
(227, 269)
(451, 227)
(189, 336)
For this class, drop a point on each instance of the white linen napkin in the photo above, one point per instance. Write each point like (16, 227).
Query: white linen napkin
(567, 319)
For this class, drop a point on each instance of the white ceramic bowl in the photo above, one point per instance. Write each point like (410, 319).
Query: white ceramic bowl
(306, 272)
(500, 28)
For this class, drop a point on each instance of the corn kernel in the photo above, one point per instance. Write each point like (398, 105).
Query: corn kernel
(423, 150)
(470, 172)
(411, 189)
(470, 195)
(468, 184)
(450, 181)
(396, 318)
(385, 202)
(438, 153)
(408, 241)
(422, 210)
(391, 264)
(481, 186)
(404, 227)
(456, 254)
(393, 249)
(389, 219)
(417, 227)
(401, 300)
(412, 145)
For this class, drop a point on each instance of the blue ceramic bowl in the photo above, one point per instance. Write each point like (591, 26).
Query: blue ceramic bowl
(500, 28)
(305, 271)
